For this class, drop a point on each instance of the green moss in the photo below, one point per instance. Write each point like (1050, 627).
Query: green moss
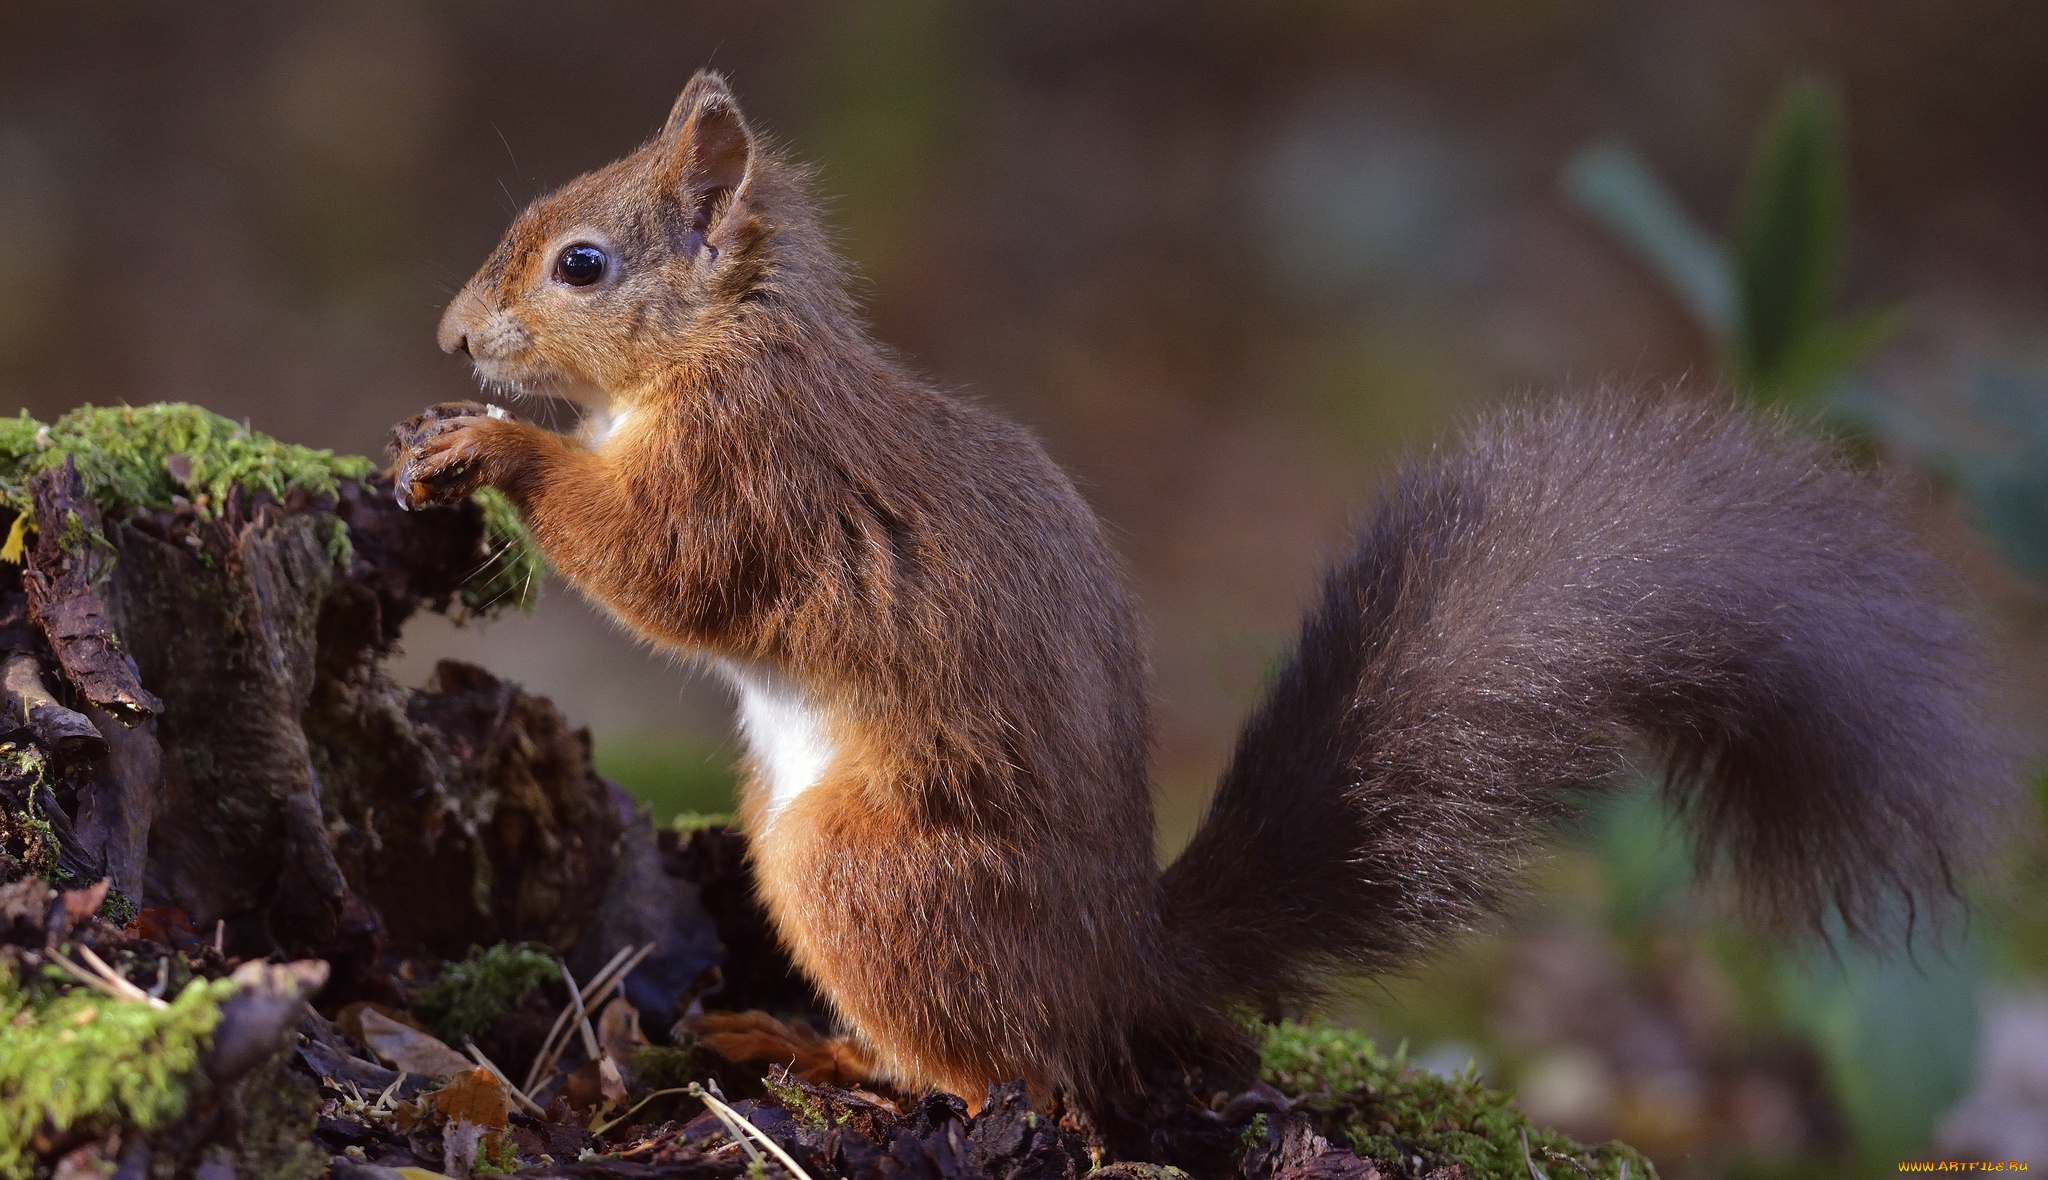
(275, 1111)
(470, 994)
(690, 822)
(1397, 1116)
(340, 547)
(808, 1111)
(77, 1058)
(513, 566)
(1254, 1133)
(119, 908)
(123, 453)
(497, 1154)
(665, 1067)
(28, 844)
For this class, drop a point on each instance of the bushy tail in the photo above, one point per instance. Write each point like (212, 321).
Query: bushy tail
(1582, 587)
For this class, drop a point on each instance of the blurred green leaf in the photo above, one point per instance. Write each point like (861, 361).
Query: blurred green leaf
(2010, 502)
(1766, 303)
(2001, 472)
(1644, 853)
(2008, 490)
(1827, 352)
(1898, 1036)
(1789, 235)
(1615, 186)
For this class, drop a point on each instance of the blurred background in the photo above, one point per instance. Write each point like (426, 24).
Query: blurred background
(1230, 260)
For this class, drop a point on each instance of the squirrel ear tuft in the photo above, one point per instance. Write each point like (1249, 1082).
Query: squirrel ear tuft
(707, 147)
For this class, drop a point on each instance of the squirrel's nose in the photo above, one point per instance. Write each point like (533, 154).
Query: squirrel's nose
(457, 321)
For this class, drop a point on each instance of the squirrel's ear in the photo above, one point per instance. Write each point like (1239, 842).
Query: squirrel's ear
(706, 147)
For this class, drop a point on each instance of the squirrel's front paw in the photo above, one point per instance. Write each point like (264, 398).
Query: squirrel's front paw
(439, 452)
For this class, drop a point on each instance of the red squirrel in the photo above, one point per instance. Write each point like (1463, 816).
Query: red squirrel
(943, 694)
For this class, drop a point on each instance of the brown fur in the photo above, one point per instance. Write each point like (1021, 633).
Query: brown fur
(971, 882)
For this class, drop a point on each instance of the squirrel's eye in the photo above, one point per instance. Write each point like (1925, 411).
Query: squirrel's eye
(580, 266)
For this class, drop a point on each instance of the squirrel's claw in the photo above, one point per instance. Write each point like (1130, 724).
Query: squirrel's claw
(435, 453)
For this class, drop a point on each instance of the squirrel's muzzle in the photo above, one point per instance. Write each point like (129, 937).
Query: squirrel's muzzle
(460, 321)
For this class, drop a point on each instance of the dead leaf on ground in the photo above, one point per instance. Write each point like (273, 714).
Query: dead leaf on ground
(80, 904)
(350, 1018)
(618, 1031)
(474, 1096)
(610, 1080)
(583, 1088)
(166, 924)
(409, 1049)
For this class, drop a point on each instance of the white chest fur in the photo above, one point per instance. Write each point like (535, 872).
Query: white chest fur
(786, 733)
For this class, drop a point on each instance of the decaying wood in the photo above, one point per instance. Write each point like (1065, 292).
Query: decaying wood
(219, 736)
(66, 733)
(63, 568)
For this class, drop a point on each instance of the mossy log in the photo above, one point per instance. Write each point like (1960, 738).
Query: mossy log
(198, 711)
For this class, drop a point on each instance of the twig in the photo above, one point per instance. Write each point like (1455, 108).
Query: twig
(582, 1013)
(593, 994)
(1530, 1160)
(384, 1099)
(550, 1052)
(618, 979)
(731, 1118)
(622, 965)
(599, 1127)
(106, 979)
(546, 1057)
(532, 1107)
(98, 984)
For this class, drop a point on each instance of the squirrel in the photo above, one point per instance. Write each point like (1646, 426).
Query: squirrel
(943, 695)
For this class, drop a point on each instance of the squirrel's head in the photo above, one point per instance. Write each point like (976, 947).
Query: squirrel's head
(626, 272)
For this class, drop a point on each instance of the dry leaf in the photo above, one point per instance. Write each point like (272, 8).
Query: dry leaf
(618, 1031)
(473, 1096)
(610, 1080)
(409, 1049)
(583, 1088)
(459, 1141)
(166, 924)
(80, 904)
(350, 1018)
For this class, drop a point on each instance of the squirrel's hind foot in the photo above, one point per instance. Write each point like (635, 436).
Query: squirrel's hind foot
(755, 1036)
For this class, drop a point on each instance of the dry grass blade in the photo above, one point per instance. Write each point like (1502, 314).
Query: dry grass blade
(384, 1099)
(580, 1003)
(741, 1128)
(104, 978)
(582, 1013)
(600, 1126)
(545, 1059)
(1535, 1172)
(518, 1095)
(88, 978)
(604, 973)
